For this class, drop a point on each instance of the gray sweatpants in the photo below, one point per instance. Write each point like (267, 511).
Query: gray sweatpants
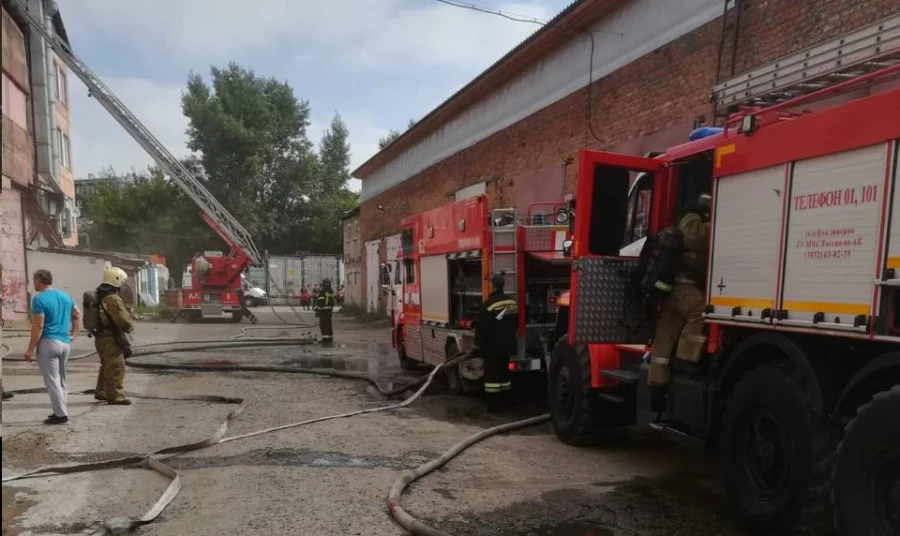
(51, 357)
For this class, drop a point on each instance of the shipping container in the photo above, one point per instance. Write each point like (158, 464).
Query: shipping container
(288, 275)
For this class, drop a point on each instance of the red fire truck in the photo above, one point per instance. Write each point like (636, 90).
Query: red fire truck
(799, 387)
(449, 254)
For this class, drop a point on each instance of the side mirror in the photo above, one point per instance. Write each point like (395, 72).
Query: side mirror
(562, 216)
(567, 248)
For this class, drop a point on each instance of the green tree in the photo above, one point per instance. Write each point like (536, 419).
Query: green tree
(388, 138)
(251, 151)
(144, 213)
(392, 135)
(250, 136)
(334, 156)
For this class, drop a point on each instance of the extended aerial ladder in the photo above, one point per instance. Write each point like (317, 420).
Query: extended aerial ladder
(215, 215)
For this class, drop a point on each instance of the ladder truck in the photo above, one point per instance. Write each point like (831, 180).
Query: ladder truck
(216, 289)
(799, 385)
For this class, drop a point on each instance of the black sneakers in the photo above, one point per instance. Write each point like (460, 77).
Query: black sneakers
(53, 419)
(7, 395)
(120, 402)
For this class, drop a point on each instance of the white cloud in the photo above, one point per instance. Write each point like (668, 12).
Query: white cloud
(374, 33)
(439, 34)
(358, 35)
(99, 141)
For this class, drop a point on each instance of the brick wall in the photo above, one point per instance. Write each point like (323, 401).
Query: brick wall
(648, 104)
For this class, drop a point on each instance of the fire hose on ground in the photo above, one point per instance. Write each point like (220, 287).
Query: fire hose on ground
(154, 460)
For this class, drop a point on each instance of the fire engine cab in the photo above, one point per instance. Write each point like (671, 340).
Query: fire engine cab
(799, 384)
(449, 254)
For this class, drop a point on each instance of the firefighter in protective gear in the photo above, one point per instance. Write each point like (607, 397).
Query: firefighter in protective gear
(324, 308)
(201, 266)
(114, 318)
(495, 342)
(680, 324)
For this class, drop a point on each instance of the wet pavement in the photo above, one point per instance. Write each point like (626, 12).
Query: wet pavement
(333, 478)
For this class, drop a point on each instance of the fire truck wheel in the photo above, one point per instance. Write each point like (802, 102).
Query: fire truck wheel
(867, 475)
(572, 411)
(454, 376)
(237, 316)
(777, 456)
(405, 362)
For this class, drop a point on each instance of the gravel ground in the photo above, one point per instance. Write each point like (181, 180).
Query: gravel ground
(332, 477)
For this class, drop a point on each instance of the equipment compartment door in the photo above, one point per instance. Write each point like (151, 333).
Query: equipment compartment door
(832, 242)
(604, 307)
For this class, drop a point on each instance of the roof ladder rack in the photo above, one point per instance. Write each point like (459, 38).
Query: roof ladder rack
(860, 52)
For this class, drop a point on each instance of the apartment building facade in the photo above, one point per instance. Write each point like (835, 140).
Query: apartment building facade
(38, 199)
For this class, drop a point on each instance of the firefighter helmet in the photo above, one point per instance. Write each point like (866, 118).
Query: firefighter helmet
(114, 276)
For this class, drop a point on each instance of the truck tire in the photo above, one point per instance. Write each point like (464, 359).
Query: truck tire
(405, 362)
(573, 411)
(249, 301)
(867, 475)
(777, 455)
(237, 316)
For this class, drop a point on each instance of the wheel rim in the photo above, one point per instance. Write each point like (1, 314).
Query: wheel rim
(887, 495)
(565, 396)
(763, 452)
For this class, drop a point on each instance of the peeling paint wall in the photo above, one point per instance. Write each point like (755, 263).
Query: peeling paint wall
(15, 278)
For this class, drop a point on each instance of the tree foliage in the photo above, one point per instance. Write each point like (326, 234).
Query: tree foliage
(392, 135)
(248, 135)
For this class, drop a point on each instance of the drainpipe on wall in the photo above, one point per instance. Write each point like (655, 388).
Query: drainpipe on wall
(43, 78)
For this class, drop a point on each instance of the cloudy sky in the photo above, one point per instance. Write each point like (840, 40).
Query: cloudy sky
(377, 62)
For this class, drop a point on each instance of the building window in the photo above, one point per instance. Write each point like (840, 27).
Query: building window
(62, 86)
(64, 154)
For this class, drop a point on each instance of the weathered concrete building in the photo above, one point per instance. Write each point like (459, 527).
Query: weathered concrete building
(38, 186)
(353, 294)
(622, 75)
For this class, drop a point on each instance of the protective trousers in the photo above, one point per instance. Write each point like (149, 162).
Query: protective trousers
(497, 384)
(325, 324)
(111, 378)
(680, 323)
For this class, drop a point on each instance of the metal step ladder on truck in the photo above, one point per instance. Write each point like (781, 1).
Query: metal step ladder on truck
(449, 254)
(216, 289)
(799, 385)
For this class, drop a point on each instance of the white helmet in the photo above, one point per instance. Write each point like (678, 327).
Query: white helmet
(114, 276)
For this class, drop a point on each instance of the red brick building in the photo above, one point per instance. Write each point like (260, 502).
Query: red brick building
(515, 130)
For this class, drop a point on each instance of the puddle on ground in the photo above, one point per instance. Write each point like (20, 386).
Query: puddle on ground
(306, 458)
(566, 529)
(328, 362)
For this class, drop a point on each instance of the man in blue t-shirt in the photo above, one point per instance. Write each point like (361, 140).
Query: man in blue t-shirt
(55, 322)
